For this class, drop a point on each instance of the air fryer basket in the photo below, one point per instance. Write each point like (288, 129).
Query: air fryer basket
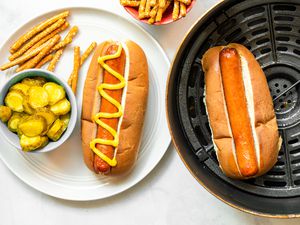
(270, 29)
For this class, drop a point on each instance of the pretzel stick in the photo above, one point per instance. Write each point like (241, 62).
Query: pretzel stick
(34, 61)
(161, 11)
(186, 2)
(175, 13)
(130, 3)
(74, 75)
(44, 61)
(24, 58)
(152, 3)
(55, 60)
(162, 3)
(147, 8)
(87, 52)
(142, 9)
(37, 38)
(153, 14)
(49, 36)
(182, 9)
(36, 30)
(67, 40)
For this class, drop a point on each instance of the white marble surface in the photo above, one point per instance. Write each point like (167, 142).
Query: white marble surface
(169, 195)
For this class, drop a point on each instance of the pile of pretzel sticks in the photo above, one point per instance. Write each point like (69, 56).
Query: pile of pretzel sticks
(43, 44)
(153, 10)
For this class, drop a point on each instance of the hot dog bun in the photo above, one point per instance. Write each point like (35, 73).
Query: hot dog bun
(134, 108)
(260, 146)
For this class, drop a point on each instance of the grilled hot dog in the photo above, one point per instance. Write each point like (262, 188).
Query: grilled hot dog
(114, 104)
(240, 111)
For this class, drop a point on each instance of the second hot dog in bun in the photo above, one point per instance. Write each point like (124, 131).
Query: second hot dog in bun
(240, 111)
(114, 104)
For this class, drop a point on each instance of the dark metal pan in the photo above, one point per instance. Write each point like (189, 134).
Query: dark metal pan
(270, 29)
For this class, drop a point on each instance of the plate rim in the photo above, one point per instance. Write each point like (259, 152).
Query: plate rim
(167, 143)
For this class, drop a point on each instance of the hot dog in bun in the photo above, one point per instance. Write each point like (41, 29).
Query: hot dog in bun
(114, 104)
(240, 111)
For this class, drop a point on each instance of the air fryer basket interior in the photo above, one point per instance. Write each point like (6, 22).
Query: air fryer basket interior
(270, 29)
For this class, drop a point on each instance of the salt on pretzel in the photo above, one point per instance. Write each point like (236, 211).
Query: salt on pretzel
(44, 61)
(130, 3)
(74, 75)
(87, 52)
(161, 11)
(37, 38)
(67, 40)
(49, 36)
(34, 61)
(55, 60)
(37, 29)
(24, 57)
(175, 14)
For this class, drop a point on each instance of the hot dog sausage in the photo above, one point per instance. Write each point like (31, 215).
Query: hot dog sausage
(118, 65)
(236, 103)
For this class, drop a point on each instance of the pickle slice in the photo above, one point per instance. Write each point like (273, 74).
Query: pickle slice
(13, 122)
(14, 100)
(55, 92)
(32, 126)
(27, 108)
(61, 108)
(5, 113)
(65, 119)
(56, 130)
(21, 87)
(32, 143)
(35, 81)
(38, 97)
(49, 116)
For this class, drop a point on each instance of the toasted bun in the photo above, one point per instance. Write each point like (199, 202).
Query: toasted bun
(266, 129)
(134, 111)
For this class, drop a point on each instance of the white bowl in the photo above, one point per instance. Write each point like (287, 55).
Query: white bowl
(13, 138)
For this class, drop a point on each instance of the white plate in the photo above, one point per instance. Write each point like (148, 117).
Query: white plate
(62, 173)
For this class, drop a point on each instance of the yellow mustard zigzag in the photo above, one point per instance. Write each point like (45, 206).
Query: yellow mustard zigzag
(98, 116)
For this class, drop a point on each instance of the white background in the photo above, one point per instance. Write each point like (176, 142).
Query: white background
(168, 195)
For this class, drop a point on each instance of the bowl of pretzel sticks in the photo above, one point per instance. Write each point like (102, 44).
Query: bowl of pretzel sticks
(158, 12)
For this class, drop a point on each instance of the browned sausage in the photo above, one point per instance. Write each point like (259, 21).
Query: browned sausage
(118, 65)
(236, 102)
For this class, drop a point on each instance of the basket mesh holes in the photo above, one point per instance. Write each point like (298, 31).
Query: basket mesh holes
(296, 151)
(296, 51)
(265, 50)
(282, 28)
(260, 31)
(296, 171)
(200, 135)
(257, 22)
(284, 8)
(282, 49)
(262, 41)
(283, 18)
(276, 173)
(192, 107)
(296, 161)
(279, 163)
(282, 38)
(275, 184)
(253, 11)
(293, 141)
(202, 106)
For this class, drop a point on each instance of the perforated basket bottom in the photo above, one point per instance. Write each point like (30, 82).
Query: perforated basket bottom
(271, 31)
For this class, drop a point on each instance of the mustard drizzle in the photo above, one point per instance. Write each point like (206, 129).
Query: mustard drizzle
(98, 116)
